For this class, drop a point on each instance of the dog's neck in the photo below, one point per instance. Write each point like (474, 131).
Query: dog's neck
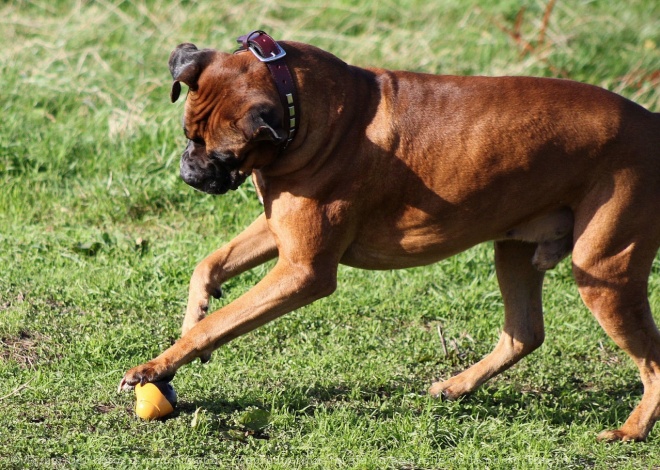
(321, 70)
(268, 51)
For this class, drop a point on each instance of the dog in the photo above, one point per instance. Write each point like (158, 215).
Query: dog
(382, 169)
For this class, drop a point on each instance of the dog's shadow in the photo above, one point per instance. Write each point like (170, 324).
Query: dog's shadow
(560, 407)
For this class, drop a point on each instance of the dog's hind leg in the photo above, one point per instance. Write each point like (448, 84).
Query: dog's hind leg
(520, 283)
(612, 260)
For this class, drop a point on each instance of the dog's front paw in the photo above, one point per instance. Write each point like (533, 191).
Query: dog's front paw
(149, 372)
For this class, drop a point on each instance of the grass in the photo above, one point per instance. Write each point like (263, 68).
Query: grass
(98, 238)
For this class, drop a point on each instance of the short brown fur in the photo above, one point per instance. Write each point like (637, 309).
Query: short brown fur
(398, 169)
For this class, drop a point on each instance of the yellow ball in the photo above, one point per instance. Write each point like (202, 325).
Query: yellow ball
(154, 400)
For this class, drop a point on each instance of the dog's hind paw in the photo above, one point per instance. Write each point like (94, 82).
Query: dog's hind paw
(446, 390)
(616, 435)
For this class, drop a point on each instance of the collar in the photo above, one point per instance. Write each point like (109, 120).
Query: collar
(268, 51)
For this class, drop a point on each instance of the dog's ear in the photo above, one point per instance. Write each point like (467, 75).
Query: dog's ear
(186, 65)
(260, 126)
(265, 132)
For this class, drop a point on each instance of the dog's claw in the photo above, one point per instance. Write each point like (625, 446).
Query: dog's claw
(442, 395)
(123, 386)
(445, 395)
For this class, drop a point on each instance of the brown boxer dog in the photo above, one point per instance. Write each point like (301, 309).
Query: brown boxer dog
(382, 170)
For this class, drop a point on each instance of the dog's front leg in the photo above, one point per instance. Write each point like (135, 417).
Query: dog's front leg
(252, 247)
(287, 287)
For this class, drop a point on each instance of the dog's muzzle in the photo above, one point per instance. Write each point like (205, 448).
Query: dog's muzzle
(208, 175)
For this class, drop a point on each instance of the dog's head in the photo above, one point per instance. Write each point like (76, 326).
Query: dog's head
(232, 117)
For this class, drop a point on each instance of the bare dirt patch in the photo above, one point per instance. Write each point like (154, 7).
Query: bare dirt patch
(26, 348)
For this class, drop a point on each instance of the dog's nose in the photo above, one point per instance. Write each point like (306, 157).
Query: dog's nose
(191, 171)
(188, 173)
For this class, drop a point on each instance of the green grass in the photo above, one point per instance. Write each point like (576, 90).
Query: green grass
(98, 238)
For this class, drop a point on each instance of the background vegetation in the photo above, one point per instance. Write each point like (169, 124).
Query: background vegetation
(98, 238)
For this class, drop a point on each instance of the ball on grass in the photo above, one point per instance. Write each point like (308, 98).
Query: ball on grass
(154, 400)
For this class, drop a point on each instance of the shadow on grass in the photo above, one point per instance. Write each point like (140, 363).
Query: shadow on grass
(561, 406)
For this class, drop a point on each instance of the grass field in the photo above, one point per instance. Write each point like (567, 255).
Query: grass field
(99, 236)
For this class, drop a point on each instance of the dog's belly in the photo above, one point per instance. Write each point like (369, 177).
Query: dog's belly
(413, 239)
(419, 238)
(415, 250)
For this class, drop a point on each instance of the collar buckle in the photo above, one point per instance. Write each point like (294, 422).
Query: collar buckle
(274, 55)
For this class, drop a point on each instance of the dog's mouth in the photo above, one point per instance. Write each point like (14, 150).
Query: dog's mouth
(231, 181)
(211, 178)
